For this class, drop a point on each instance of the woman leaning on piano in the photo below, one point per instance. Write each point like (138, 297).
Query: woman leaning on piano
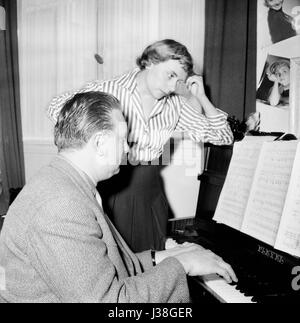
(160, 96)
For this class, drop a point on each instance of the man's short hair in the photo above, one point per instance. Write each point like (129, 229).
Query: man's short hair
(83, 116)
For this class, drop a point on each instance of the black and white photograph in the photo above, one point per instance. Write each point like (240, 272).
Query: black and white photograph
(278, 45)
(278, 21)
(149, 154)
(274, 88)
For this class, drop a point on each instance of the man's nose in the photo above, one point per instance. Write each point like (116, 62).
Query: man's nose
(126, 148)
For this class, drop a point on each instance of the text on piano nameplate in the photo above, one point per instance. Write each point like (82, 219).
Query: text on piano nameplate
(271, 254)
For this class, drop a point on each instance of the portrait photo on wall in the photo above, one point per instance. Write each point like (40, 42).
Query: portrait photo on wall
(278, 20)
(274, 86)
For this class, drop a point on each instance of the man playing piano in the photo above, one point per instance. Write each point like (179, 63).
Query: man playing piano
(57, 245)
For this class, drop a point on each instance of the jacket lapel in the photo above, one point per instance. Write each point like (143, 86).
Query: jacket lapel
(113, 237)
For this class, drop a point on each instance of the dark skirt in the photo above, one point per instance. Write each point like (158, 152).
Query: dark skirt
(136, 203)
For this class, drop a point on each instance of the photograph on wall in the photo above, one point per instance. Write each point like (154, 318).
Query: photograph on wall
(274, 87)
(278, 21)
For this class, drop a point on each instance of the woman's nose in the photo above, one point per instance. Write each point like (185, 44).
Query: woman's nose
(172, 86)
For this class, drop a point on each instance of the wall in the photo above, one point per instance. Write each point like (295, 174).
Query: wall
(58, 40)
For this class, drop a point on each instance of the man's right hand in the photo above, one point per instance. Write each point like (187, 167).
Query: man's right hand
(198, 261)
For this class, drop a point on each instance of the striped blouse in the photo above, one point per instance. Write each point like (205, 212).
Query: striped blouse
(147, 138)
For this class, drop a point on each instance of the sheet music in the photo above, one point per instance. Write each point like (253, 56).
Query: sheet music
(233, 199)
(288, 237)
(269, 190)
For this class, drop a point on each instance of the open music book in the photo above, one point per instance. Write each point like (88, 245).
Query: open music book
(261, 194)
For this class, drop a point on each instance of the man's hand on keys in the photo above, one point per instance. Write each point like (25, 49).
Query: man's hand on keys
(196, 260)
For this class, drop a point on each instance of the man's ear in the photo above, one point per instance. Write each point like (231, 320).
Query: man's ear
(99, 140)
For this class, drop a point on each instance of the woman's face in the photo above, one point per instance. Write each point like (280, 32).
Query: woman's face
(275, 4)
(162, 78)
(283, 75)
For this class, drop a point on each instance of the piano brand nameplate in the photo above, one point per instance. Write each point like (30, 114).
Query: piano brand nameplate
(271, 254)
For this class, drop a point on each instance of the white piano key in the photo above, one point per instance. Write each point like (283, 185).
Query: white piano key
(223, 291)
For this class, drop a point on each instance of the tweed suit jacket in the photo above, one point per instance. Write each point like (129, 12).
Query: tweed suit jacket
(57, 245)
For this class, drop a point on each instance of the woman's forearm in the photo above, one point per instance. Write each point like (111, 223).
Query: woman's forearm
(198, 96)
(274, 97)
(209, 109)
(203, 104)
(195, 103)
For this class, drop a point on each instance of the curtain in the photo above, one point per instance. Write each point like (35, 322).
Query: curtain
(126, 27)
(59, 38)
(57, 44)
(230, 55)
(11, 146)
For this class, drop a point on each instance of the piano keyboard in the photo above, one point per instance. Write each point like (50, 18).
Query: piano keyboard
(262, 278)
(223, 291)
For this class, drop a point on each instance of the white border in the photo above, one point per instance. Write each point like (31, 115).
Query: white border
(295, 97)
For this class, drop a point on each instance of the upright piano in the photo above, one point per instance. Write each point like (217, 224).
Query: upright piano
(265, 274)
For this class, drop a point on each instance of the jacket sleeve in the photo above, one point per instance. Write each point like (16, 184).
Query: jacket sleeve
(201, 128)
(66, 248)
(145, 260)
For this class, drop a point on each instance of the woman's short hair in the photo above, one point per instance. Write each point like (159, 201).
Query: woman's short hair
(164, 50)
(278, 64)
(267, 3)
(81, 117)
